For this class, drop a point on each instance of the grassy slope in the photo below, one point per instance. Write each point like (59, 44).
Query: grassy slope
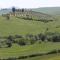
(20, 26)
(16, 50)
(46, 57)
(49, 10)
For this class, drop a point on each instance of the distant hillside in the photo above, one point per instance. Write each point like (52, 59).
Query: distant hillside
(4, 11)
(49, 10)
(31, 14)
(46, 10)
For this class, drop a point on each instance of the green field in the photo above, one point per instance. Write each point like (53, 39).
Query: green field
(17, 50)
(20, 26)
(46, 57)
(23, 27)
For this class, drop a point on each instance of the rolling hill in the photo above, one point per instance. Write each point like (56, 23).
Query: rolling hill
(4, 11)
(48, 10)
(34, 14)
(19, 26)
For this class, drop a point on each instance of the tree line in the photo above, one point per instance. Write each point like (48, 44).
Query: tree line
(29, 39)
(27, 17)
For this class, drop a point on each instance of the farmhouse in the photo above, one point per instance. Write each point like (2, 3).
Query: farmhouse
(31, 14)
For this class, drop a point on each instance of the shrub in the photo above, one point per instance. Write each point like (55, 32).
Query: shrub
(10, 38)
(22, 57)
(42, 37)
(18, 36)
(52, 52)
(56, 38)
(21, 41)
(9, 43)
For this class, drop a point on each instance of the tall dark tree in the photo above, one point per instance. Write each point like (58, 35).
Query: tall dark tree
(22, 10)
(13, 10)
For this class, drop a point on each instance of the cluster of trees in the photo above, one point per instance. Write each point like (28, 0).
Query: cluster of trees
(29, 39)
(29, 15)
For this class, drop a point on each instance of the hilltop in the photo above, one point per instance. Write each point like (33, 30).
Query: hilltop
(45, 10)
(5, 11)
(29, 13)
(48, 10)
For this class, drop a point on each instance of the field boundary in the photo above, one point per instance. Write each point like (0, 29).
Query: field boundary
(32, 55)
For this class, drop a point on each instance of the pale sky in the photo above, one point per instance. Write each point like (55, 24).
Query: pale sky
(29, 3)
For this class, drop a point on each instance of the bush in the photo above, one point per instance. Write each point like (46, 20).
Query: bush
(42, 37)
(56, 38)
(10, 38)
(22, 57)
(22, 43)
(9, 43)
(29, 36)
(18, 36)
(52, 52)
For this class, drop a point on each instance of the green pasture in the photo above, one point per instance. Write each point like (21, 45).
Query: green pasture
(23, 27)
(20, 26)
(37, 48)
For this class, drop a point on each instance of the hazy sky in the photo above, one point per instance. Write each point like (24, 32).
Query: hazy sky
(29, 3)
